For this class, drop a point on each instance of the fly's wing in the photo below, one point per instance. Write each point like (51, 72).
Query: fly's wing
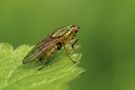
(40, 49)
(43, 42)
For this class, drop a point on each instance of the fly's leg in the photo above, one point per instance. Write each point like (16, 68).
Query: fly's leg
(73, 42)
(67, 51)
(70, 47)
(44, 62)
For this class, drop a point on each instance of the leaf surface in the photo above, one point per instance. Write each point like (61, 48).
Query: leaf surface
(17, 76)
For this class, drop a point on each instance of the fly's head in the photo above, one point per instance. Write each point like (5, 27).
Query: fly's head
(65, 32)
(73, 28)
(71, 32)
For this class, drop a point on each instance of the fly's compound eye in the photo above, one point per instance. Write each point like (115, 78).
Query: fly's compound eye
(74, 29)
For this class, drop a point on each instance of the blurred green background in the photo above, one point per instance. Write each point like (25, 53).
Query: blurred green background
(107, 35)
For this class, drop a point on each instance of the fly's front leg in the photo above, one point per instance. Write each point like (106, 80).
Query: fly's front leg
(68, 53)
(70, 47)
(73, 42)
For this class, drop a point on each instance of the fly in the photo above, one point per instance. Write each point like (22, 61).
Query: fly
(55, 41)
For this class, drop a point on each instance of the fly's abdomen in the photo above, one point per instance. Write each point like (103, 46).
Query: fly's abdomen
(53, 50)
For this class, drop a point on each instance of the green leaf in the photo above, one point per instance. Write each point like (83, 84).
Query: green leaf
(17, 76)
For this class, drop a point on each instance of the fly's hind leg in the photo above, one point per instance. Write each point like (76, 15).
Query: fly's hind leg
(44, 62)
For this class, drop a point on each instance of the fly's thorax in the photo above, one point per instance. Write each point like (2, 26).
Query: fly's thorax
(65, 31)
(69, 35)
(59, 33)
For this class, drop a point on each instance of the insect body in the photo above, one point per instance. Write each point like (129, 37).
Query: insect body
(55, 41)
